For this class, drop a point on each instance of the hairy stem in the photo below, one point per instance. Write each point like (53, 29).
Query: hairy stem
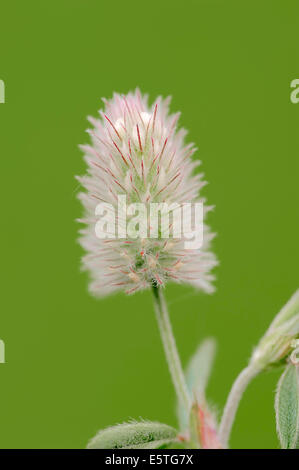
(170, 349)
(234, 397)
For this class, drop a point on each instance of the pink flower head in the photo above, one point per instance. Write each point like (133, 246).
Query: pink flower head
(137, 151)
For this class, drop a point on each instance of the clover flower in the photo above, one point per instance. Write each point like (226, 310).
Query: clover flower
(138, 160)
(136, 151)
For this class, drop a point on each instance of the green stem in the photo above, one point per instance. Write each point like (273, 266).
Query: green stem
(234, 397)
(170, 349)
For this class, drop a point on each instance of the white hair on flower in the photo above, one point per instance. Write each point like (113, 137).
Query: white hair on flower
(137, 151)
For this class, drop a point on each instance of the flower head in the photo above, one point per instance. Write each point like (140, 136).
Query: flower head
(281, 336)
(136, 151)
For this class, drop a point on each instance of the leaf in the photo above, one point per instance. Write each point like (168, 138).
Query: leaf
(199, 368)
(197, 375)
(161, 444)
(133, 435)
(193, 427)
(287, 408)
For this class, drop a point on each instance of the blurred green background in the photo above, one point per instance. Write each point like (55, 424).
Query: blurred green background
(75, 364)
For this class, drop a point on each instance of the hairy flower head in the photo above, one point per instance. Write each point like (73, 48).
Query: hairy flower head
(136, 151)
(280, 338)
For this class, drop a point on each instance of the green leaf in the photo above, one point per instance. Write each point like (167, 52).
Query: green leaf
(199, 368)
(194, 427)
(287, 408)
(134, 435)
(197, 375)
(161, 444)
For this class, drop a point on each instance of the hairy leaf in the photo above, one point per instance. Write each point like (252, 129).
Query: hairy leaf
(160, 444)
(287, 407)
(194, 427)
(200, 365)
(143, 434)
(197, 375)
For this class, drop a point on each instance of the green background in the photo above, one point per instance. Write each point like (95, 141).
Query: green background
(75, 364)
